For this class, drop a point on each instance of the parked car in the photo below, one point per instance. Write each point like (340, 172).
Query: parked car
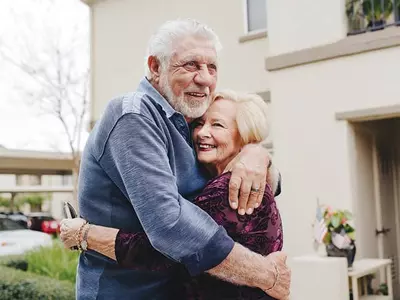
(19, 217)
(16, 240)
(44, 222)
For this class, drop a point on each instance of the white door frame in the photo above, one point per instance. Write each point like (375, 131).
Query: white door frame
(377, 195)
(396, 206)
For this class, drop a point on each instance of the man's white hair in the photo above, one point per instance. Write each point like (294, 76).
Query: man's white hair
(161, 43)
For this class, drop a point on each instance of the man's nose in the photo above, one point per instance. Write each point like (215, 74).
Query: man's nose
(204, 78)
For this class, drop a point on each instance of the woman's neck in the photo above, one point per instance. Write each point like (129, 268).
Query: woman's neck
(215, 169)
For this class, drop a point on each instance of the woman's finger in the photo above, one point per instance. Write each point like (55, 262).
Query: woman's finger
(261, 194)
(244, 195)
(234, 187)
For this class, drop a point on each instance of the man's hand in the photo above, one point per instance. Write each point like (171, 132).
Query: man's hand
(243, 267)
(280, 288)
(249, 175)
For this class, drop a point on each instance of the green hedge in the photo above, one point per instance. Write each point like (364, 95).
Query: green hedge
(16, 262)
(17, 284)
(55, 262)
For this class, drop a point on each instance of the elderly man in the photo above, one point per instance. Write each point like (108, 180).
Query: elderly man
(138, 167)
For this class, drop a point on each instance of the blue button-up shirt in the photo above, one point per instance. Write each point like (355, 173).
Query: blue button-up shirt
(138, 169)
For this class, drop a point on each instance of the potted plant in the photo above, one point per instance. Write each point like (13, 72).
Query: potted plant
(355, 16)
(340, 237)
(376, 12)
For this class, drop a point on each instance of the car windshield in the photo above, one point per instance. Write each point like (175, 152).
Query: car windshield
(7, 224)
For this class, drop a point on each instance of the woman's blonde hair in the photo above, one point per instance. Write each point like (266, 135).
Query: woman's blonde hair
(251, 117)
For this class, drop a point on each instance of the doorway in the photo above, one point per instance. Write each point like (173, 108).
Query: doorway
(376, 174)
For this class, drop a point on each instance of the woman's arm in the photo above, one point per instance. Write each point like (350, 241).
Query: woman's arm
(99, 238)
(130, 250)
(102, 239)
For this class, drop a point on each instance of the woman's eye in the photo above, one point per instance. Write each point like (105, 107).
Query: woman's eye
(218, 125)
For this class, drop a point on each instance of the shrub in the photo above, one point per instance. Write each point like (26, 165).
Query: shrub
(16, 262)
(55, 262)
(16, 285)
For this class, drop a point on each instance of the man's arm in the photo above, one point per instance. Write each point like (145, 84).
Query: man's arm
(243, 267)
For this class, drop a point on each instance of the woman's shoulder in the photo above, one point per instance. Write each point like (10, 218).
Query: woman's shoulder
(220, 181)
(216, 188)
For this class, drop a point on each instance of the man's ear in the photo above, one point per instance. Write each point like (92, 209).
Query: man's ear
(155, 67)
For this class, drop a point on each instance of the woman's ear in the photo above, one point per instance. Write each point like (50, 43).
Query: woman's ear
(155, 67)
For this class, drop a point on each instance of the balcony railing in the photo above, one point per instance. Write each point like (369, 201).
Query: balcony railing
(371, 15)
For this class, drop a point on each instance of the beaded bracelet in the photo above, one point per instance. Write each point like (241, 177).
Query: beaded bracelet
(78, 236)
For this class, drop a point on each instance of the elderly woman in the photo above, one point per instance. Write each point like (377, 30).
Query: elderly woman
(231, 122)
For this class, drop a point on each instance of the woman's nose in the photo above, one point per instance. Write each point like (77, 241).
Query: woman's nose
(204, 131)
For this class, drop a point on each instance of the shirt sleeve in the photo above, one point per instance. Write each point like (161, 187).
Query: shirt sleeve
(136, 150)
(134, 251)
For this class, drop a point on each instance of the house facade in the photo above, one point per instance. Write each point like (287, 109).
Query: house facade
(331, 73)
(48, 174)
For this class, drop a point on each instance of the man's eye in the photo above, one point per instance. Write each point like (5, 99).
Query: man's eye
(191, 64)
(197, 124)
(213, 67)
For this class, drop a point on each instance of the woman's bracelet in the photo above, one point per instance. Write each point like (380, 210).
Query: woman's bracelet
(84, 239)
(276, 276)
(78, 236)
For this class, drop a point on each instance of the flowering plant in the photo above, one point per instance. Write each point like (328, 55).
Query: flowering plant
(337, 222)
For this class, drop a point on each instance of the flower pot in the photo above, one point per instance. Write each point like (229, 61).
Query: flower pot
(349, 253)
(376, 25)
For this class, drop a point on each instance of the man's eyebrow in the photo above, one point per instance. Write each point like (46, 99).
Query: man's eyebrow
(197, 58)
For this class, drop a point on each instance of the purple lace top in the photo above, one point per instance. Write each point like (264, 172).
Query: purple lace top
(261, 232)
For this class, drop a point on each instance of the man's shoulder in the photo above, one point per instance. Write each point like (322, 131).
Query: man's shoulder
(134, 102)
(137, 103)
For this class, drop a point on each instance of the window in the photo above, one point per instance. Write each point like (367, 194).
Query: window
(66, 179)
(256, 15)
(7, 224)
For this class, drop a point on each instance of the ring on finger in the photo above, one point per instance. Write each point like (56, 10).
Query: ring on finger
(255, 189)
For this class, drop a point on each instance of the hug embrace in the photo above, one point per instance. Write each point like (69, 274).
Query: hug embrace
(176, 188)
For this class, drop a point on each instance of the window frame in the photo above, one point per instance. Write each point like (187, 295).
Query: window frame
(246, 21)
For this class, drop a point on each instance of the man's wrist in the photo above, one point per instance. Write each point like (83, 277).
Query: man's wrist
(272, 277)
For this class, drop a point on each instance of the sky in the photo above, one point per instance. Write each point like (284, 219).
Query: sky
(23, 125)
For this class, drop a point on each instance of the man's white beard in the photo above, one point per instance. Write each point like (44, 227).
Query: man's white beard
(191, 109)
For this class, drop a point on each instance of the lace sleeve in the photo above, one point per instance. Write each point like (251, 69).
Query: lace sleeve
(134, 251)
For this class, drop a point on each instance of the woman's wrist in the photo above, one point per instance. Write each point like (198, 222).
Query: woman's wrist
(102, 239)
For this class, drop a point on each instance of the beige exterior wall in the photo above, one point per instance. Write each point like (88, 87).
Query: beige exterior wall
(295, 25)
(121, 29)
(314, 151)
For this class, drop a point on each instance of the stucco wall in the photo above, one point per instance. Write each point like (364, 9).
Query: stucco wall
(312, 148)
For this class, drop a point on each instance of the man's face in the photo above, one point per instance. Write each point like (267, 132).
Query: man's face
(190, 77)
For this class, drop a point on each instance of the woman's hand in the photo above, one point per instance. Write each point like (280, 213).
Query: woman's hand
(249, 174)
(68, 231)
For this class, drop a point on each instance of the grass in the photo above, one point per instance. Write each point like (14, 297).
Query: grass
(55, 262)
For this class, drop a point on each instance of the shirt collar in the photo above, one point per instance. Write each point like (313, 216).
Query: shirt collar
(146, 87)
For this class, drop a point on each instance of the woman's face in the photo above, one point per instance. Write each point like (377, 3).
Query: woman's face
(216, 136)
